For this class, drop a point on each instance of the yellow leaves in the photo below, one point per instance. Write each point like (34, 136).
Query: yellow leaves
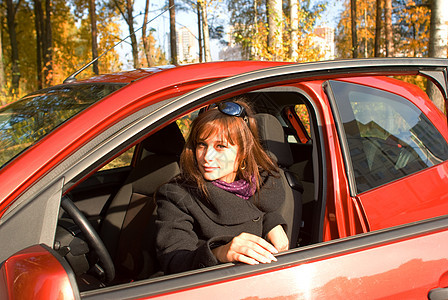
(253, 36)
(410, 29)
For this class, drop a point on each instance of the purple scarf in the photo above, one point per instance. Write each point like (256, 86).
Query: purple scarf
(241, 188)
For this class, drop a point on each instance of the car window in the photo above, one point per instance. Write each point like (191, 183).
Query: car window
(26, 121)
(387, 135)
(124, 160)
(184, 123)
(304, 116)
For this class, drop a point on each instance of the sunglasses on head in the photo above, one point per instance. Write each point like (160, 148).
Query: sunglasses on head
(232, 109)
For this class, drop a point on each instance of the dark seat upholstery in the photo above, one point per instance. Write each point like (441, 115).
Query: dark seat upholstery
(127, 229)
(273, 139)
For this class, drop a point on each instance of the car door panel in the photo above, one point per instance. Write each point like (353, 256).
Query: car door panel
(425, 193)
(399, 263)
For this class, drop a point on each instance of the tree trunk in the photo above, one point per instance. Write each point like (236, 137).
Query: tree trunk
(38, 24)
(2, 73)
(145, 40)
(437, 45)
(130, 22)
(198, 7)
(275, 23)
(256, 37)
(173, 43)
(11, 10)
(378, 26)
(94, 35)
(48, 50)
(354, 19)
(205, 32)
(294, 16)
(388, 28)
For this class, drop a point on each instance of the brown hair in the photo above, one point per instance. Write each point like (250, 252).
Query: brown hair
(252, 159)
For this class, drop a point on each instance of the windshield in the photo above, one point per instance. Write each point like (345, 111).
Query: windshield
(29, 119)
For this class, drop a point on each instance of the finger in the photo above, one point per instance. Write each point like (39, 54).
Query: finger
(245, 259)
(259, 241)
(252, 250)
(259, 254)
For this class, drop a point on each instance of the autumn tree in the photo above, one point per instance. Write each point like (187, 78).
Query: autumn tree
(126, 9)
(388, 28)
(11, 12)
(354, 27)
(2, 73)
(145, 39)
(155, 53)
(437, 45)
(294, 25)
(251, 29)
(198, 13)
(94, 31)
(275, 31)
(202, 4)
(70, 44)
(378, 27)
(357, 27)
(44, 42)
(408, 35)
(412, 21)
(173, 39)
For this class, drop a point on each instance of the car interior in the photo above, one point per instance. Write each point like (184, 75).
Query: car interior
(118, 201)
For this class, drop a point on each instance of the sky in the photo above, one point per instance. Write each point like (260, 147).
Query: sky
(189, 19)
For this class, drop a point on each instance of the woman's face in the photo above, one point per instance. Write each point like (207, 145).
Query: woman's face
(217, 158)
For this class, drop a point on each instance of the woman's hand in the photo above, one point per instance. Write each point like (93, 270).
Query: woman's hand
(277, 236)
(246, 248)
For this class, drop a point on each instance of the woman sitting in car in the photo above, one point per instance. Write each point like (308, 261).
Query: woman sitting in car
(223, 207)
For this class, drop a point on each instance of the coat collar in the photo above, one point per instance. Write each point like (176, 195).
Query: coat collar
(226, 208)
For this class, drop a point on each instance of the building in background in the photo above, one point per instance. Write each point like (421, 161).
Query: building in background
(187, 46)
(324, 39)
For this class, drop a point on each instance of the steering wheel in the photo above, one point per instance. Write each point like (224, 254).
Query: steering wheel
(91, 236)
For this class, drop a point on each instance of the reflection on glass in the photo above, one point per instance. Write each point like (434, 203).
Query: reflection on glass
(388, 136)
(26, 121)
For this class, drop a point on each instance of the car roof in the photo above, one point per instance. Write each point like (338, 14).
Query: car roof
(225, 68)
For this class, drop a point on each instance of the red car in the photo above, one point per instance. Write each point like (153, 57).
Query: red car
(364, 155)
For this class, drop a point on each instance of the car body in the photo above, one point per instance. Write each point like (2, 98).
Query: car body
(370, 152)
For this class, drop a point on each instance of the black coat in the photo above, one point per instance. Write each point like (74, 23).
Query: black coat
(190, 226)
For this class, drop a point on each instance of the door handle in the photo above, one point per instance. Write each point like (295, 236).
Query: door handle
(438, 294)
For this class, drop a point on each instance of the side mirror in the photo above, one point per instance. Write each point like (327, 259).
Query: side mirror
(37, 272)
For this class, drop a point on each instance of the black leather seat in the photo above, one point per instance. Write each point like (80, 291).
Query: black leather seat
(128, 227)
(273, 139)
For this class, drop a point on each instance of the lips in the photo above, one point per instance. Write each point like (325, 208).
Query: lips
(209, 169)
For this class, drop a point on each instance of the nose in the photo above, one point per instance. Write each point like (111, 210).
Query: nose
(210, 154)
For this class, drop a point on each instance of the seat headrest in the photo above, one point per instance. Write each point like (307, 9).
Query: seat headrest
(273, 139)
(168, 140)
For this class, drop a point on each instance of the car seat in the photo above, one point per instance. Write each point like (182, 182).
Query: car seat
(273, 139)
(128, 229)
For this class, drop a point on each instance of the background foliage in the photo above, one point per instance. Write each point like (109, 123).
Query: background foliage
(251, 26)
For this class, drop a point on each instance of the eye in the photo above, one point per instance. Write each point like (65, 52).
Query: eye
(201, 144)
(221, 146)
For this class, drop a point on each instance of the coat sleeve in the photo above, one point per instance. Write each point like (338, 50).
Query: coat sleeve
(178, 246)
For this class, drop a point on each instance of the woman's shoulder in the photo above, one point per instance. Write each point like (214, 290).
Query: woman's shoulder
(177, 187)
(270, 180)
